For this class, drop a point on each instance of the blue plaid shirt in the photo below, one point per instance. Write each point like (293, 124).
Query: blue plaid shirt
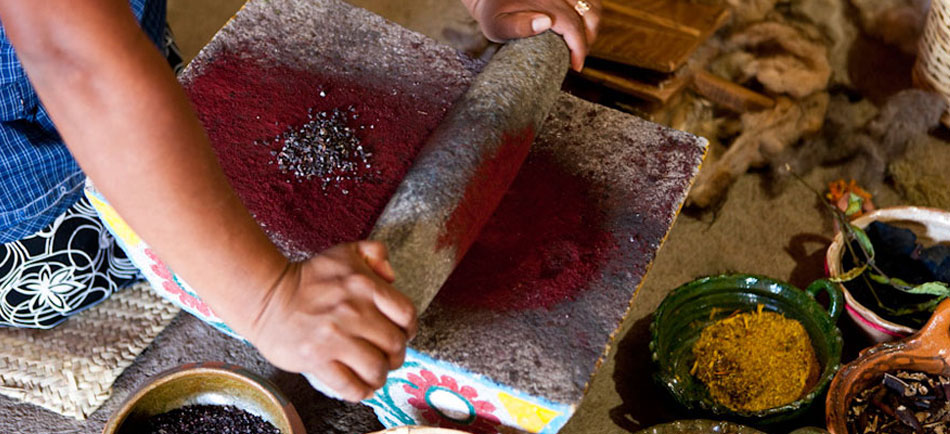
(39, 179)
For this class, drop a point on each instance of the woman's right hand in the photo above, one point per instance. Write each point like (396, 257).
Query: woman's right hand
(337, 317)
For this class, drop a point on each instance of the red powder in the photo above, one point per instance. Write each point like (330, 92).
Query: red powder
(482, 195)
(545, 243)
(240, 101)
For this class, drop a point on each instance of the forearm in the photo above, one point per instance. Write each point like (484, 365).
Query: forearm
(132, 130)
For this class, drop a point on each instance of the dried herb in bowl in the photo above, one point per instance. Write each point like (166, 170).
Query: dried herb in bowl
(898, 257)
(755, 361)
(902, 402)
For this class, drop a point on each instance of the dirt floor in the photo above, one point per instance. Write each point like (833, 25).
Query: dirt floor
(782, 236)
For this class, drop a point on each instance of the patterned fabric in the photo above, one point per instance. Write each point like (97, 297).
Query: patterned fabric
(69, 266)
(172, 53)
(39, 179)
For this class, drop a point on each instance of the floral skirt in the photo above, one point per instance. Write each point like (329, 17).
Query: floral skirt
(65, 268)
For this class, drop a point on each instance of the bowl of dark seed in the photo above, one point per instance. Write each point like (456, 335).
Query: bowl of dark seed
(206, 398)
(896, 387)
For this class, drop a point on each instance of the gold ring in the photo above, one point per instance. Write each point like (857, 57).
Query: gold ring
(581, 7)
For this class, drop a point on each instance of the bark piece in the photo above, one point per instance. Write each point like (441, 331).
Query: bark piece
(764, 134)
(728, 94)
(777, 55)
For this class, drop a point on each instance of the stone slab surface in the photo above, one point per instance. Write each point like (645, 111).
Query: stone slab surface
(641, 172)
(640, 169)
(544, 351)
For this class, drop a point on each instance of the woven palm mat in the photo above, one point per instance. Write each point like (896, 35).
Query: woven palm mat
(70, 369)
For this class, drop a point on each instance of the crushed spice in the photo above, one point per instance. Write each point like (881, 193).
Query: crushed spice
(325, 147)
(204, 419)
(902, 402)
(753, 361)
(544, 244)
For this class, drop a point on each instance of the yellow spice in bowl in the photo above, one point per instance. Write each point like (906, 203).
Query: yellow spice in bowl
(755, 361)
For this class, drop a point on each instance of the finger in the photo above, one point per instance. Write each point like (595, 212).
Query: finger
(569, 25)
(590, 25)
(377, 257)
(343, 381)
(514, 25)
(385, 335)
(397, 308)
(592, 20)
(337, 260)
(343, 259)
(366, 361)
(389, 301)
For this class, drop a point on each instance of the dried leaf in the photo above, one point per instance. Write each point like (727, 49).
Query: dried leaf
(849, 275)
(863, 240)
(855, 203)
(939, 289)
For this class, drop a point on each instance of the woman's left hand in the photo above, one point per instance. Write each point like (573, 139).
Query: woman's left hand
(575, 20)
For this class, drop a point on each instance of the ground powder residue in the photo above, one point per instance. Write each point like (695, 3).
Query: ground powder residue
(544, 244)
(484, 191)
(241, 101)
(754, 361)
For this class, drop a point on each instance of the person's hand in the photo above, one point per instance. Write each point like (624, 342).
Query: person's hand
(501, 20)
(336, 316)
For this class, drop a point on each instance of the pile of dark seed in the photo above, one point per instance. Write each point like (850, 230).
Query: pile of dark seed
(325, 148)
(205, 419)
(903, 403)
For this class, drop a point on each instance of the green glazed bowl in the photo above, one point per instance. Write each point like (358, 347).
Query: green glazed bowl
(701, 426)
(684, 313)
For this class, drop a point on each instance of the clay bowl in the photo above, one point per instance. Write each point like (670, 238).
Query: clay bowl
(699, 426)
(684, 313)
(930, 226)
(207, 383)
(927, 351)
(418, 430)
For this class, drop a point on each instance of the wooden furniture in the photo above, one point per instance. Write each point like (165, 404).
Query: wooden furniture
(653, 49)
(656, 34)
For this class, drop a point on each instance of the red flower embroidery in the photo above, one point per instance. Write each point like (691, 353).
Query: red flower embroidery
(186, 299)
(170, 286)
(151, 255)
(444, 403)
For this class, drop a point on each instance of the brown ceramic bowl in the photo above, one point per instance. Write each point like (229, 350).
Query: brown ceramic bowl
(928, 351)
(207, 383)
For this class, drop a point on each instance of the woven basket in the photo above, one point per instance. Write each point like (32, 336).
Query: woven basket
(932, 70)
(70, 369)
